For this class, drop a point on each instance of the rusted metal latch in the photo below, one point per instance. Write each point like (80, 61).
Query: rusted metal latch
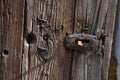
(81, 42)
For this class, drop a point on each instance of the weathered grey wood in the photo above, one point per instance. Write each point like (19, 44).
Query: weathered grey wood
(25, 62)
(97, 16)
(109, 30)
(57, 13)
(11, 38)
(73, 15)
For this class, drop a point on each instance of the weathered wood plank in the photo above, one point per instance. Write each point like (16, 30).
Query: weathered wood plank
(55, 63)
(96, 16)
(11, 37)
(109, 30)
(58, 14)
(93, 14)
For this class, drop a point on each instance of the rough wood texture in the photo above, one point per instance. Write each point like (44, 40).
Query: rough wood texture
(11, 38)
(43, 56)
(98, 16)
(58, 13)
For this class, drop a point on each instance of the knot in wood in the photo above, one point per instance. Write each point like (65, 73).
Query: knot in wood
(31, 38)
(43, 52)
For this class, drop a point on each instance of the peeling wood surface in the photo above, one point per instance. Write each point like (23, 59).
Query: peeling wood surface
(36, 50)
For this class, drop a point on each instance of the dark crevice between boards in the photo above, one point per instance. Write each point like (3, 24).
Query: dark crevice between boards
(31, 39)
(74, 11)
(93, 31)
(71, 64)
(112, 74)
(23, 35)
(72, 51)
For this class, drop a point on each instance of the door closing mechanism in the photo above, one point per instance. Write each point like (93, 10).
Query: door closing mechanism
(82, 42)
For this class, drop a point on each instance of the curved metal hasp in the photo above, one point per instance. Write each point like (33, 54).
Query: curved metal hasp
(81, 42)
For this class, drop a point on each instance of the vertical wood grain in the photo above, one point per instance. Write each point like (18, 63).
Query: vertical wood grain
(109, 30)
(74, 16)
(98, 16)
(22, 32)
(11, 37)
(57, 13)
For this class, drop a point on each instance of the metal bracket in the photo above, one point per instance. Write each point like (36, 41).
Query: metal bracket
(82, 42)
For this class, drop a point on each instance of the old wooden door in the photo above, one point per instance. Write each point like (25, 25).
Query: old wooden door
(32, 35)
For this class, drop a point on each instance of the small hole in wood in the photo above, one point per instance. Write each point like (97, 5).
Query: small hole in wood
(5, 52)
(46, 37)
(31, 38)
